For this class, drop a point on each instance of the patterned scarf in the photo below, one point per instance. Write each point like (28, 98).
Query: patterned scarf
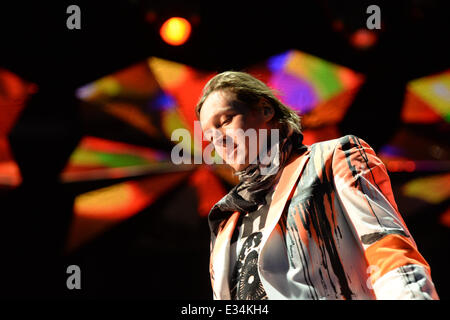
(251, 191)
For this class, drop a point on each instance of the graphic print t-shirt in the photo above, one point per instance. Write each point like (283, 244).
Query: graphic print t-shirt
(245, 283)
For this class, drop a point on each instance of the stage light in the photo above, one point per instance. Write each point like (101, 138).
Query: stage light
(175, 31)
(363, 39)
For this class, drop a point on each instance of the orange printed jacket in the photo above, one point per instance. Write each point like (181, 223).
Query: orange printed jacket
(343, 236)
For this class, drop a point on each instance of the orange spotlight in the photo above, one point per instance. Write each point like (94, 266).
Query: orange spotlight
(363, 39)
(175, 31)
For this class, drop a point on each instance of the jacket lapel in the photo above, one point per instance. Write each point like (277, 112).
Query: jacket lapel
(220, 259)
(283, 190)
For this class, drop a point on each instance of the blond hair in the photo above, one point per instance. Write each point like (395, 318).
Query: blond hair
(250, 90)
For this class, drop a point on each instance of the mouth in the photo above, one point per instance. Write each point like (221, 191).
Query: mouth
(232, 155)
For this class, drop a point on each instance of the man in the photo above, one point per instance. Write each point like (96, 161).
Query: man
(323, 225)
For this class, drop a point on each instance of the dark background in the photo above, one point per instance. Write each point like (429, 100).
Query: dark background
(158, 254)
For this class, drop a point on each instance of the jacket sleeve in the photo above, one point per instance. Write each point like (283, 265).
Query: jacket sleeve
(397, 269)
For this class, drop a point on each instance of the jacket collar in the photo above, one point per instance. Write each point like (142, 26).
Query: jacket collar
(283, 193)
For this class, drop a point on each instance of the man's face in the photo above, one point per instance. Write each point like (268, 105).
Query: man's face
(226, 122)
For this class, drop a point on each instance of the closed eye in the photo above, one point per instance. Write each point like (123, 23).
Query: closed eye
(227, 120)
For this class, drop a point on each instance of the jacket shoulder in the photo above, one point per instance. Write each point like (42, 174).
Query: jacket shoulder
(326, 151)
(345, 142)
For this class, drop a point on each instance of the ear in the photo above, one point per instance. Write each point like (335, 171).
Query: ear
(267, 110)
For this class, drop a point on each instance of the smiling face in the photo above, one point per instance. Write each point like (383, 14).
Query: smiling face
(226, 122)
